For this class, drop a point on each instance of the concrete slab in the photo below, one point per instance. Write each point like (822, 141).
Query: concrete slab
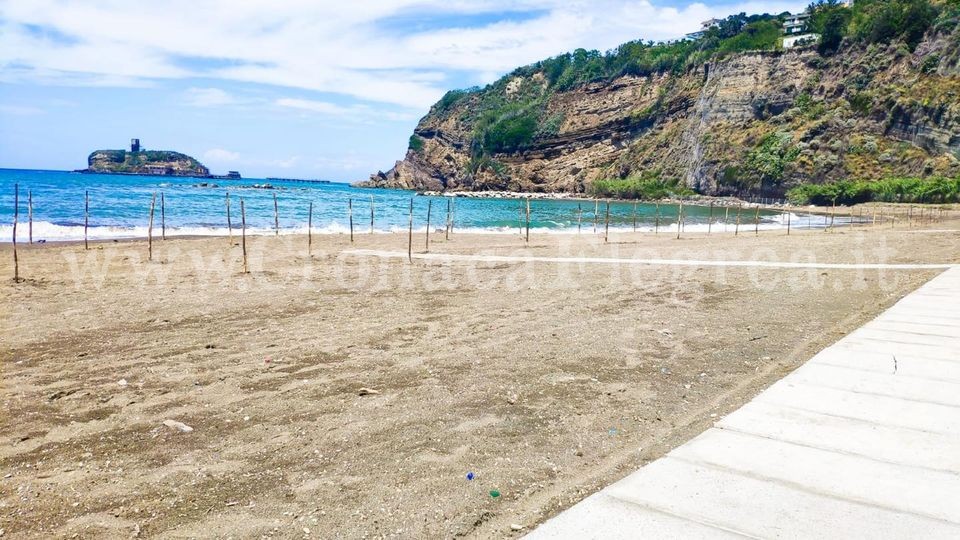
(862, 441)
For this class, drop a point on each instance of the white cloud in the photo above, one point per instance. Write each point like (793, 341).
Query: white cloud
(208, 97)
(335, 47)
(20, 110)
(219, 155)
(357, 113)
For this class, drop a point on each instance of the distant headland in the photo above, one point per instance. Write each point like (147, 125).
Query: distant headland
(148, 162)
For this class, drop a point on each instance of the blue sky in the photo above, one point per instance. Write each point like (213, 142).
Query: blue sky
(299, 88)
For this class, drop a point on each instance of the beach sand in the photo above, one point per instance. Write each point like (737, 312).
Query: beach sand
(545, 380)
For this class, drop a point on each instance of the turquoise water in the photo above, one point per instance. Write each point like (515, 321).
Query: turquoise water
(120, 208)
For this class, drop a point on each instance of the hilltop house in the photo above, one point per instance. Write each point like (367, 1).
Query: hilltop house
(795, 30)
(704, 26)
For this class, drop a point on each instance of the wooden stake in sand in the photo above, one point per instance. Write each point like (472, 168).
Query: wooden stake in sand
(30, 215)
(410, 235)
(833, 213)
(606, 224)
(579, 216)
(229, 224)
(350, 216)
(243, 235)
(453, 215)
(710, 219)
(528, 220)
(736, 231)
(656, 222)
(426, 246)
(446, 230)
(163, 219)
(634, 216)
(596, 215)
(310, 228)
(726, 218)
(276, 216)
(86, 218)
(756, 221)
(16, 214)
(153, 203)
(371, 214)
(788, 223)
(679, 219)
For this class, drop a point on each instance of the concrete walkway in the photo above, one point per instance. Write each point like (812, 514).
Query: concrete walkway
(863, 441)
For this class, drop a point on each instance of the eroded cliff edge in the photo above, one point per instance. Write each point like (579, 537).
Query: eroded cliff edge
(867, 111)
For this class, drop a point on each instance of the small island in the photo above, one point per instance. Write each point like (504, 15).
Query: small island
(149, 162)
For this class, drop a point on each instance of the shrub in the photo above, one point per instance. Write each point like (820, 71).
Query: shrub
(416, 143)
(897, 189)
(645, 186)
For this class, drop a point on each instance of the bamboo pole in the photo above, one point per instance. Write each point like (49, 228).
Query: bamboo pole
(606, 224)
(756, 221)
(528, 220)
(736, 231)
(229, 224)
(446, 230)
(350, 216)
(788, 223)
(16, 215)
(656, 222)
(276, 216)
(243, 235)
(596, 215)
(163, 219)
(426, 246)
(710, 219)
(371, 214)
(634, 216)
(153, 203)
(453, 215)
(86, 218)
(310, 228)
(679, 219)
(410, 235)
(30, 215)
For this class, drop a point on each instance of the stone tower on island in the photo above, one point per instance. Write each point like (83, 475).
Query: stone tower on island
(134, 145)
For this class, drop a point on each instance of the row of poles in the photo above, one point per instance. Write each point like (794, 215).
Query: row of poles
(933, 215)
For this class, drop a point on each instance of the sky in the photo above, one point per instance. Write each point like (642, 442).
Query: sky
(288, 88)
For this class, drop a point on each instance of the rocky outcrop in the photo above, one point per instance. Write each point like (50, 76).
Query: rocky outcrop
(150, 162)
(865, 112)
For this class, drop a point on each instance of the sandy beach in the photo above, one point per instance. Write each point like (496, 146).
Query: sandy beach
(339, 393)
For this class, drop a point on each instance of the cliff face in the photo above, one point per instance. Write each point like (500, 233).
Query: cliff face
(157, 162)
(865, 112)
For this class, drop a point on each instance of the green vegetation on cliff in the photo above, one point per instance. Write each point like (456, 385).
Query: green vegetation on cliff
(730, 113)
(895, 190)
(648, 186)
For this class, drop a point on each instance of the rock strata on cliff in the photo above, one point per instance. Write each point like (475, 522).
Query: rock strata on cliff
(743, 123)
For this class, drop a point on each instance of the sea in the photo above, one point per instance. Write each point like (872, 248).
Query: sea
(119, 207)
